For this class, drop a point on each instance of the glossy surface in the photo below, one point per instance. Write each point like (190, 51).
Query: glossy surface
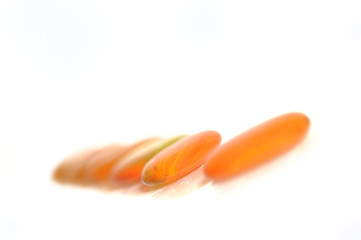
(180, 159)
(100, 165)
(130, 168)
(257, 145)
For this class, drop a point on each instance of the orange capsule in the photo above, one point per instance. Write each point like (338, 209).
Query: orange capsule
(96, 168)
(71, 169)
(257, 145)
(180, 159)
(99, 167)
(129, 169)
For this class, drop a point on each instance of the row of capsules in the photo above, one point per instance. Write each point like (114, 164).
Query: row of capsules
(157, 162)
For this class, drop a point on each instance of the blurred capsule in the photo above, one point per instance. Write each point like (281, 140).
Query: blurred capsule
(95, 169)
(129, 169)
(257, 145)
(99, 167)
(180, 158)
(72, 168)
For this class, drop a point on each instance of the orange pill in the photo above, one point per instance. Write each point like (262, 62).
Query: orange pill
(99, 167)
(180, 159)
(129, 169)
(96, 168)
(257, 145)
(71, 169)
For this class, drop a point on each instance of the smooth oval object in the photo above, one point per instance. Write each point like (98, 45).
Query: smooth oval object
(71, 170)
(100, 166)
(129, 170)
(97, 168)
(257, 146)
(180, 159)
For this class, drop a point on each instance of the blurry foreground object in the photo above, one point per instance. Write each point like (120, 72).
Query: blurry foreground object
(99, 167)
(257, 146)
(71, 169)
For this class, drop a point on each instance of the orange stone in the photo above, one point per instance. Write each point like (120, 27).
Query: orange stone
(99, 167)
(129, 169)
(96, 168)
(71, 169)
(180, 159)
(257, 146)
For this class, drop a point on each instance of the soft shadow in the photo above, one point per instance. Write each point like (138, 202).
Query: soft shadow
(133, 188)
(182, 187)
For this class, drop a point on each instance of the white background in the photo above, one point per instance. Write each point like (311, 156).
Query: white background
(77, 73)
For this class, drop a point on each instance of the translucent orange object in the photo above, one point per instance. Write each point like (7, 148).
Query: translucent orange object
(180, 159)
(99, 167)
(96, 168)
(257, 145)
(71, 169)
(129, 169)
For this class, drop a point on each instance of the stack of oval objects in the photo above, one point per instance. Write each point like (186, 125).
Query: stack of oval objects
(157, 162)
